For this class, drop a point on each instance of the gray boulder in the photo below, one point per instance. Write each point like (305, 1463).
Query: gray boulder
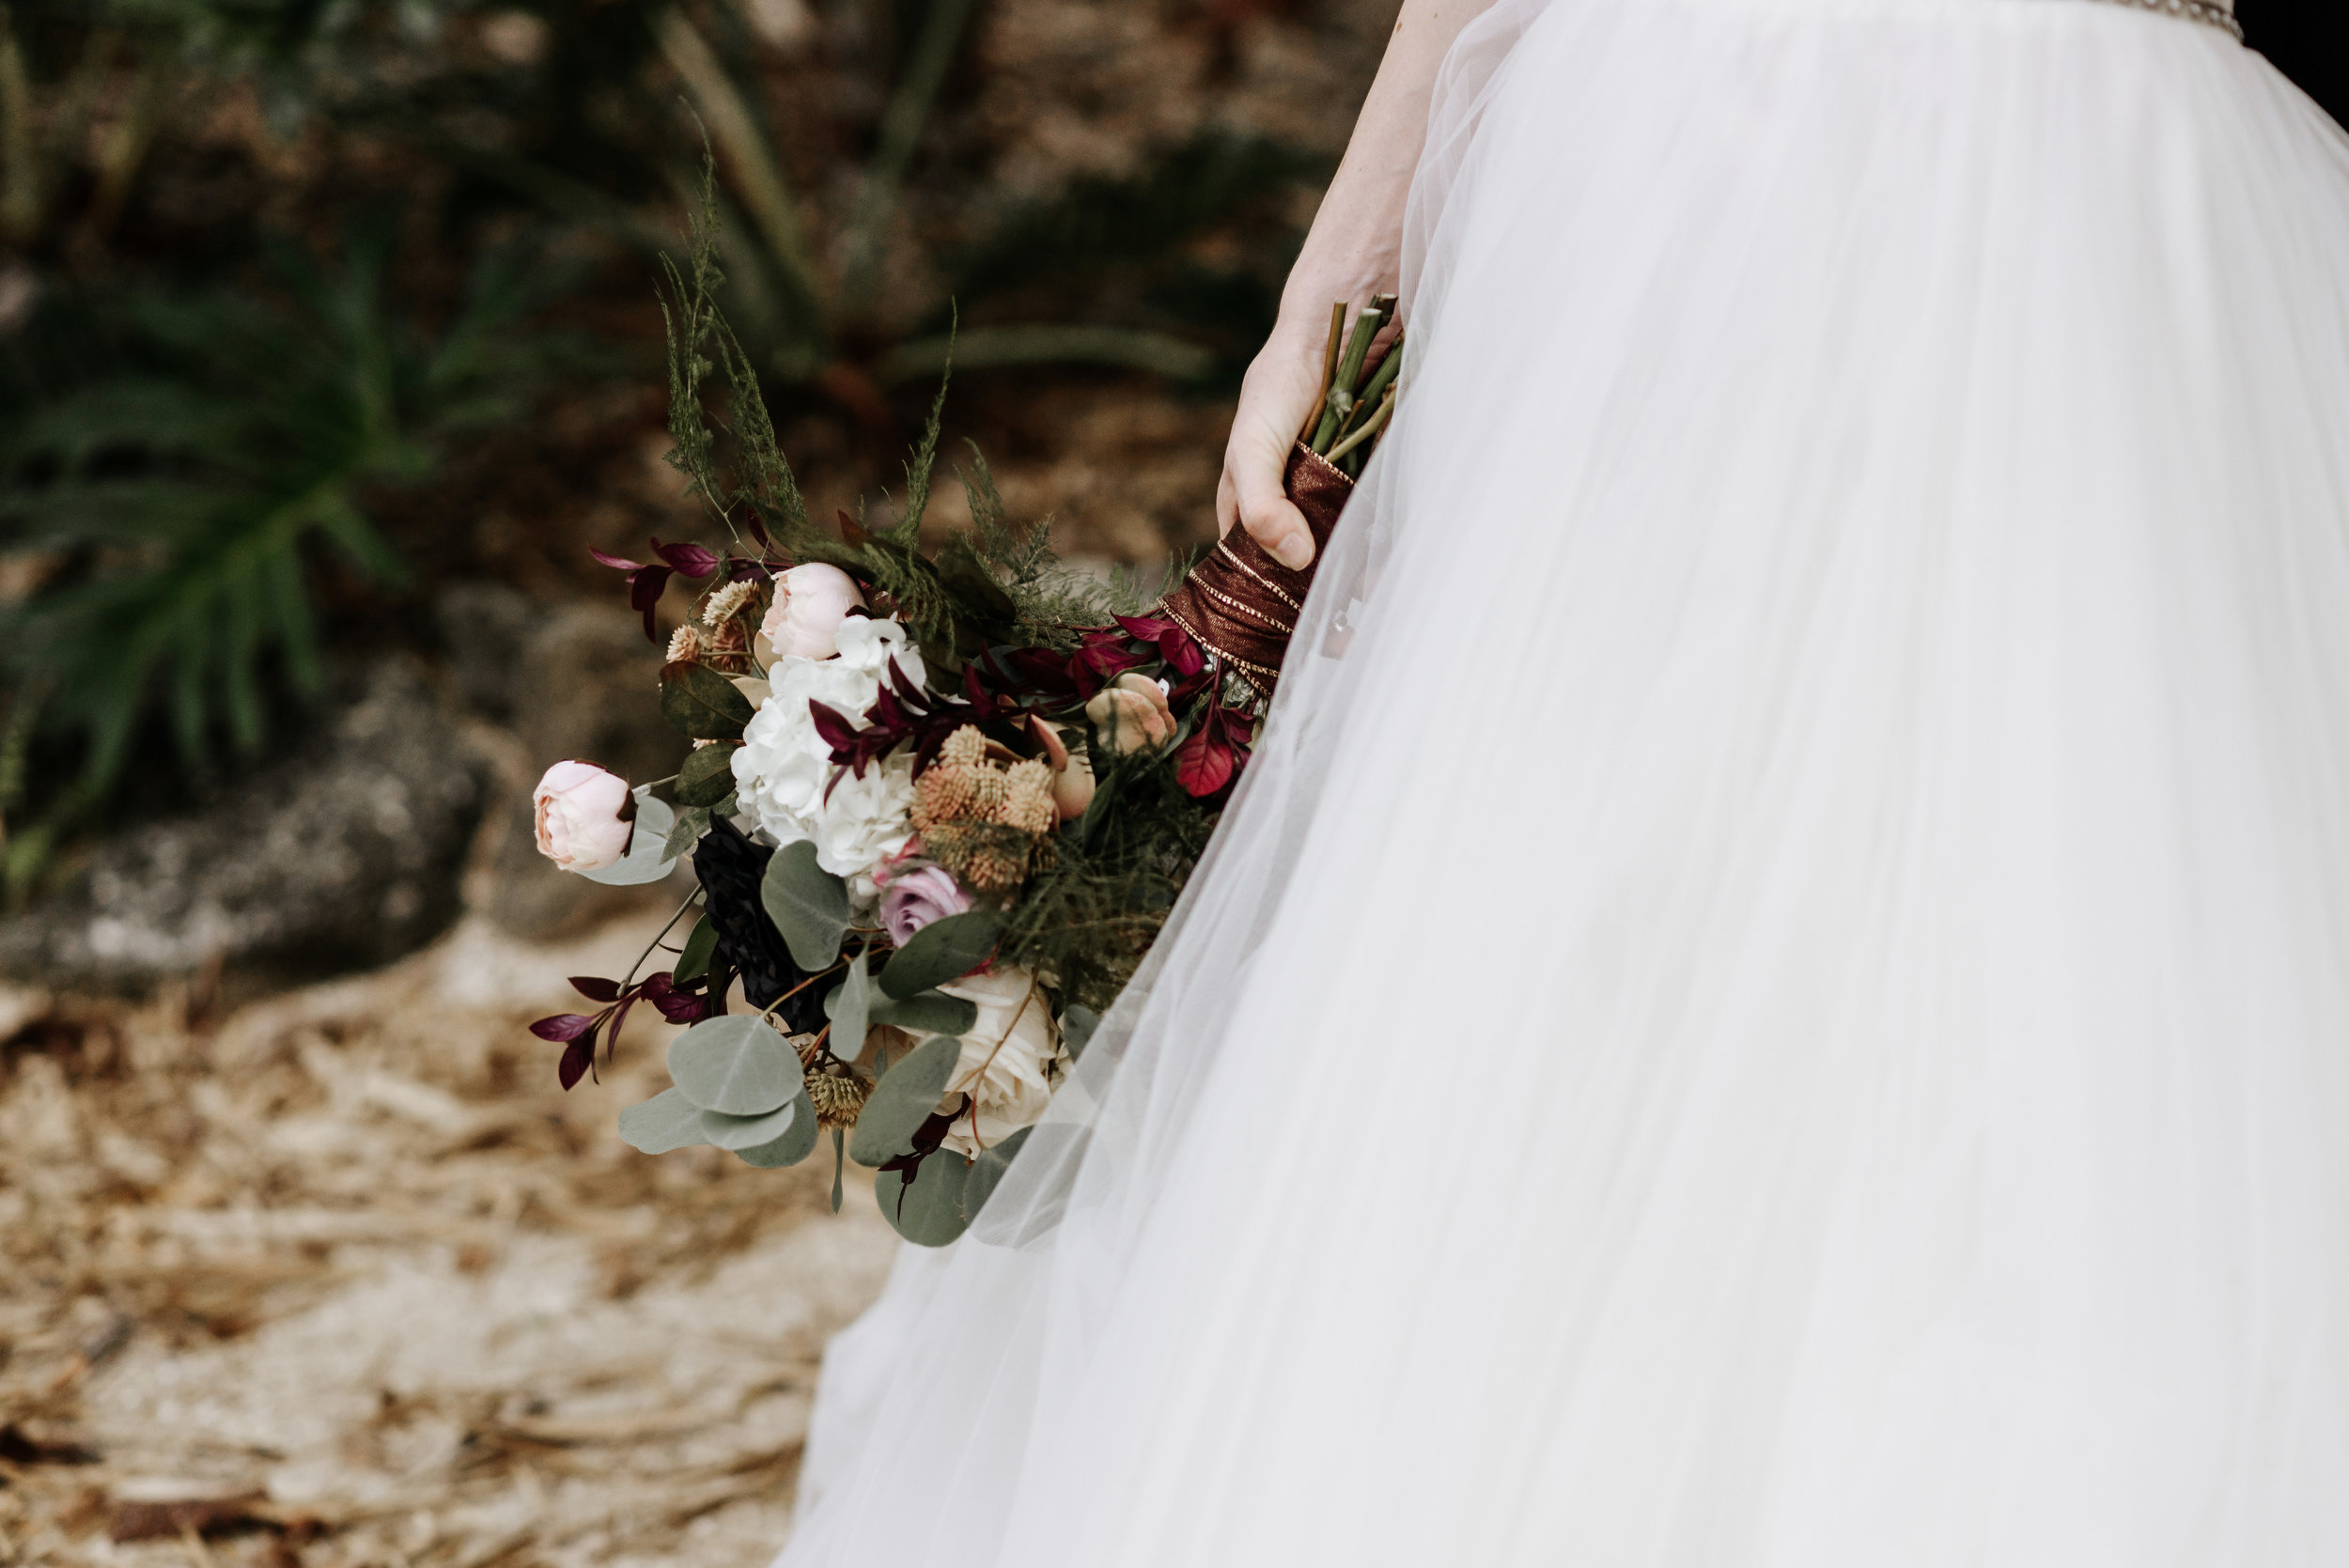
(347, 853)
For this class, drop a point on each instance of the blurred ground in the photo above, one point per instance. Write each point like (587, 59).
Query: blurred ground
(343, 1277)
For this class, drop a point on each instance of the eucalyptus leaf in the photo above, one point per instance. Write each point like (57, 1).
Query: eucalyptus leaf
(705, 776)
(903, 1100)
(737, 1133)
(850, 1008)
(941, 951)
(808, 905)
(839, 1167)
(927, 1212)
(1076, 1025)
(929, 1013)
(796, 1144)
(736, 1065)
(988, 1170)
(700, 944)
(701, 704)
(648, 859)
(667, 1121)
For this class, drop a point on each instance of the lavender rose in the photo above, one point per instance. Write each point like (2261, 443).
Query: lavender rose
(914, 899)
(584, 815)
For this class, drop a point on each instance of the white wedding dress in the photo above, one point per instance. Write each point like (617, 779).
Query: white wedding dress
(1778, 994)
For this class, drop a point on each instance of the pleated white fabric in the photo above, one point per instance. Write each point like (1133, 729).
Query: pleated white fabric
(1778, 993)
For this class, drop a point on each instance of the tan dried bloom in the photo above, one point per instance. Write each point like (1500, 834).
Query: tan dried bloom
(726, 601)
(965, 747)
(1028, 799)
(838, 1098)
(685, 647)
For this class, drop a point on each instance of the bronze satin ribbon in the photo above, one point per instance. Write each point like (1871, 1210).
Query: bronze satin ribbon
(1240, 603)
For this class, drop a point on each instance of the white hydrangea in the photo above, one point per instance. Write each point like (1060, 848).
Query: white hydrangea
(783, 767)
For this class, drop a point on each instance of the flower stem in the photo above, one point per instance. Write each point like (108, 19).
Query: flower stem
(690, 899)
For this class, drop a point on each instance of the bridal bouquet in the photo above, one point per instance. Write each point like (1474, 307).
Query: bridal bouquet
(939, 801)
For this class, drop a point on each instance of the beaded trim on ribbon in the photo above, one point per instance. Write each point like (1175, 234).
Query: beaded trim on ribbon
(2203, 11)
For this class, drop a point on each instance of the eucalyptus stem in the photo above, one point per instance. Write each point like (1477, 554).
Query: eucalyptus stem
(1328, 368)
(1368, 427)
(1381, 378)
(690, 899)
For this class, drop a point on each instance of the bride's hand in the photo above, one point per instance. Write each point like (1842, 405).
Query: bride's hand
(1275, 398)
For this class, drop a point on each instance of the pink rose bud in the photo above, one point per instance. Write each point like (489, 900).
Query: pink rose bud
(914, 899)
(803, 621)
(585, 816)
(1072, 778)
(1131, 713)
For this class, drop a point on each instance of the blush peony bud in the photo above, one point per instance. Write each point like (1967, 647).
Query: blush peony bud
(803, 622)
(1072, 777)
(913, 899)
(1131, 713)
(585, 816)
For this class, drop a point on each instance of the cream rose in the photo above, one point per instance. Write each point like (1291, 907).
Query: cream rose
(1011, 1059)
(803, 622)
(584, 815)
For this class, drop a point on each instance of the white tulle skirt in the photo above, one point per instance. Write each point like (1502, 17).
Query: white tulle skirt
(1778, 993)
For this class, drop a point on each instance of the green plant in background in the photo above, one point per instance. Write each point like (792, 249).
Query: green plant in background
(175, 510)
(808, 301)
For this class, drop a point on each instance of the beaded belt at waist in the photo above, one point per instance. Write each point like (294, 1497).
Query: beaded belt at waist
(2203, 11)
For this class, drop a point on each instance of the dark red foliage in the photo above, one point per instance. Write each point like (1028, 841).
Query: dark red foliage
(562, 1026)
(595, 989)
(1211, 758)
(648, 581)
(578, 1058)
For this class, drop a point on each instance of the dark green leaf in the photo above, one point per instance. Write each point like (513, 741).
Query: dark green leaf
(796, 1144)
(941, 951)
(808, 905)
(693, 962)
(928, 1013)
(903, 1100)
(707, 776)
(736, 1065)
(702, 704)
(687, 832)
(1076, 1025)
(929, 1212)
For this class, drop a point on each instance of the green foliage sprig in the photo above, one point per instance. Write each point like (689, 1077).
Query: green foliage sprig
(176, 507)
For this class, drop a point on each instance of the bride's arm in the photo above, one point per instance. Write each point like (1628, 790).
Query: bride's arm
(1354, 251)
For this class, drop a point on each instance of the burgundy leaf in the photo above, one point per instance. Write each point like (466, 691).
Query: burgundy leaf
(612, 1041)
(1205, 764)
(692, 560)
(1181, 654)
(562, 1026)
(595, 989)
(1147, 628)
(747, 570)
(578, 1057)
(618, 562)
(905, 683)
(837, 729)
(680, 1008)
(758, 529)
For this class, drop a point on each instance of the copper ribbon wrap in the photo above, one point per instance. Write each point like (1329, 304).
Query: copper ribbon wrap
(1240, 603)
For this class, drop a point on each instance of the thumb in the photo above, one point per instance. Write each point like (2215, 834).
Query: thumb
(1270, 517)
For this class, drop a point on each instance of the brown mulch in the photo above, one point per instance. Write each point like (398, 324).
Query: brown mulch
(343, 1277)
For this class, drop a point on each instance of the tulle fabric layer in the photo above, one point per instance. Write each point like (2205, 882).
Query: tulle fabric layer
(1778, 991)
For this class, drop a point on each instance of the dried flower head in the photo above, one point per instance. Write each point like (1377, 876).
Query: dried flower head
(685, 646)
(725, 602)
(965, 747)
(1028, 799)
(838, 1095)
